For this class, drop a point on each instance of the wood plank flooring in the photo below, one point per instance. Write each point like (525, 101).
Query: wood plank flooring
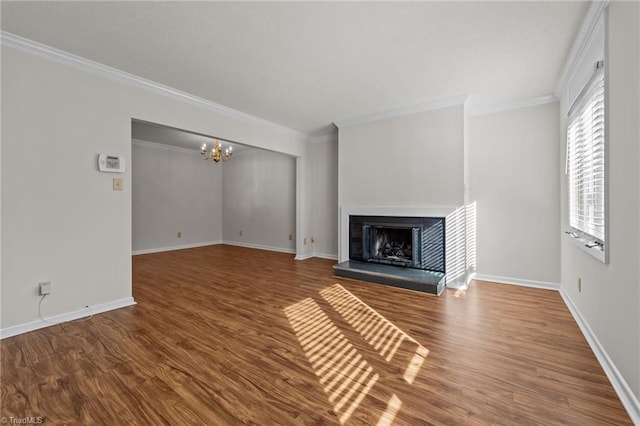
(225, 335)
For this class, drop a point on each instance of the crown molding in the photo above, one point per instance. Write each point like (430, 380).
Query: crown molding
(587, 31)
(324, 138)
(84, 64)
(512, 105)
(403, 111)
(157, 145)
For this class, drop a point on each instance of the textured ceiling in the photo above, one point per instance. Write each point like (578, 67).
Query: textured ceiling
(305, 65)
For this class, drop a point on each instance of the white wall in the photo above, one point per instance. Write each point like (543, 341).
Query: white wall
(174, 190)
(409, 161)
(414, 160)
(61, 220)
(610, 298)
(514, 172)
(324, 159)
(259, 199)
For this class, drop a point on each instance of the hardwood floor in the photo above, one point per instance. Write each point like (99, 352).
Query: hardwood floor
(225, 335)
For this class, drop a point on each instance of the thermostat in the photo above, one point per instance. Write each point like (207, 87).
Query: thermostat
(111, 163)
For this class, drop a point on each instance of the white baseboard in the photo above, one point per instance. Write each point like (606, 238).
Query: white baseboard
(516, 281)
(304, 256)
(318, 255)
(626, 395)
(238, 244)
(326, 256)
(260, 247)
(171, 248)
(68, 316)
(458, 284)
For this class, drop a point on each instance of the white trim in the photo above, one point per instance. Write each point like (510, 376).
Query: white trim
(259, 247)
(626, 395)
(157, 145)
(324, 138)
(513, 105)
(410, 211)
(68, 316)
(78, 62)
(303, 256)
(587, 31)
(516, 281)
(458, 285)
(325, 256)
(403, 111)
(238, 244)
(593, 251)
(172, 248)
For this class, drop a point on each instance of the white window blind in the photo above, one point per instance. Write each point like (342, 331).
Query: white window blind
(585, 166)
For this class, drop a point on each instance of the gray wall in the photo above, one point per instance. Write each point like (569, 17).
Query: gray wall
(610, 298)
(509, 161)
(514, 171)
(324, 158)
(414, 160)
(259, 199)
(410, 161)
(62, 221)
(174, 190)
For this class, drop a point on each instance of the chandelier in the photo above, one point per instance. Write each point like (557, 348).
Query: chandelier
(216, 154)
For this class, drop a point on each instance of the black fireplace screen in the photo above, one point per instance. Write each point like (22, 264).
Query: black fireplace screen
(401, 241)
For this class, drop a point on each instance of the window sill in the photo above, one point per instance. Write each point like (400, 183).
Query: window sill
(596, 251)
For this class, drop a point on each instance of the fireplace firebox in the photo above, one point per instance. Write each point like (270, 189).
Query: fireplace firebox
(411, 242)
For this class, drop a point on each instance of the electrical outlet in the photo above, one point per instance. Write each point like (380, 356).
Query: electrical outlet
(313, 240)
(179, 234)
(579, 285)
(304, 241)
(45, 288)
(290, 237)
(241, 232)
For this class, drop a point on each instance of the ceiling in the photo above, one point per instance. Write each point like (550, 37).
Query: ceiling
(305, 65)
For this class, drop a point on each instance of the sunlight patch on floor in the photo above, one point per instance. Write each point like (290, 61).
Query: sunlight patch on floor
(390, 414)
(379, 332)
(342, 370)
(346, 376)
(415, 364)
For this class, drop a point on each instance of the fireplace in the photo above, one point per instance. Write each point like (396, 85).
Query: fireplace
(397, 246)
(410, 242)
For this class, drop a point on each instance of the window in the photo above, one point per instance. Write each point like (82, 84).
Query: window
(586, 164)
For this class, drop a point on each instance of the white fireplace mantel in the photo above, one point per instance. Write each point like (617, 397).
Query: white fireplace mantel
(402, 211)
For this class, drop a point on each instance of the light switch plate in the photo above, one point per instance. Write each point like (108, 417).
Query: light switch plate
(117, 184)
